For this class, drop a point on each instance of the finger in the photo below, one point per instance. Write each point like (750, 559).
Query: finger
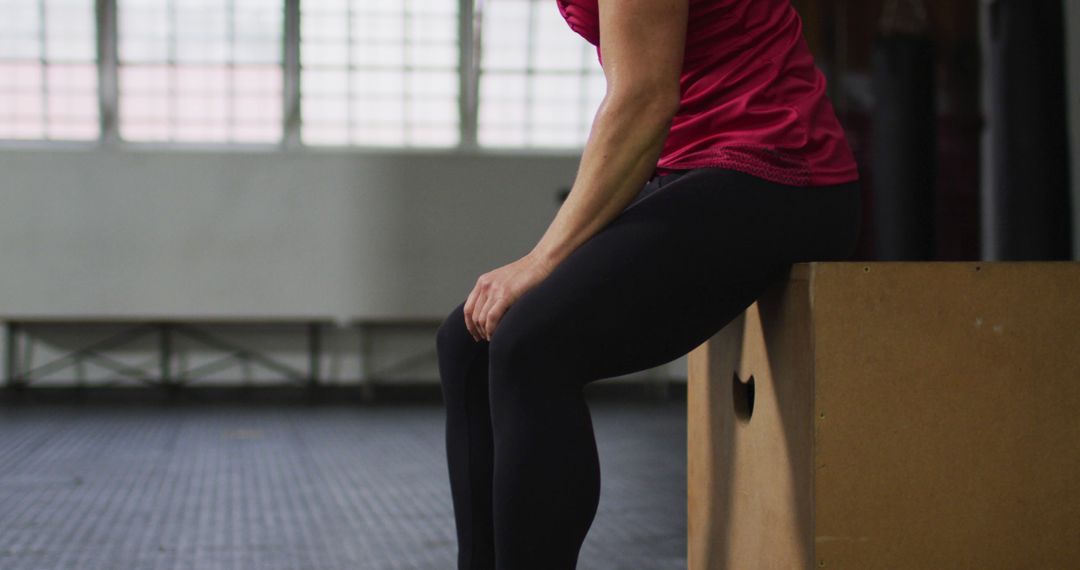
(478, 313)
(481, 314)
(470, 302)
(494, 317)
(467, 312)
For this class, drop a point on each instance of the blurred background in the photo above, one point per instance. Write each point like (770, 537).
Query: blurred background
(211, 205)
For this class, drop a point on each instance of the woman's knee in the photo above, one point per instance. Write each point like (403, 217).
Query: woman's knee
(527, 354)
(452, 333)
(455, 347)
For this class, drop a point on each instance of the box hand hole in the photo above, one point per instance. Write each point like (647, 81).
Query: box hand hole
(742, 396)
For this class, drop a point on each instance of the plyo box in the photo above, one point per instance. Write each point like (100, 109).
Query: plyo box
(892, 415)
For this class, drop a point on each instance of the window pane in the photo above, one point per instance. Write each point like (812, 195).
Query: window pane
(540, 82)
(379, 72)
(200, 70)
(48, 78)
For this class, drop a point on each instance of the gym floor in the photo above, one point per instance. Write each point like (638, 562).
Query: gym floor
(275, 487)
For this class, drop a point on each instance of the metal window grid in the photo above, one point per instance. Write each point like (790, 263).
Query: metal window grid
(47, 79)
(381, 73)
(469, 17)
(540, 83)
(200, 70)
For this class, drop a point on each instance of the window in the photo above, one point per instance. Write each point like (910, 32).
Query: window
(48, 78)
(379, 72)
(382, 73)
(200, 70)
(540, 82)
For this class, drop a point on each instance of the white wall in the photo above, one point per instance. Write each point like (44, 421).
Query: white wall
(114, 232)
(120, 232)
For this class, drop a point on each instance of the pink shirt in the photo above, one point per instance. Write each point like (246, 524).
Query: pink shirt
(752, 98)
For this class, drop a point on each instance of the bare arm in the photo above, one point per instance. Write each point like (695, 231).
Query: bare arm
(642, 42)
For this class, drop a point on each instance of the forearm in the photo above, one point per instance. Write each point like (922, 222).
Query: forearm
(620, 155)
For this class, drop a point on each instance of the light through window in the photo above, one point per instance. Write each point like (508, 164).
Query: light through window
(201, 70)
(379, 72)
(540, 82)
(48, 76)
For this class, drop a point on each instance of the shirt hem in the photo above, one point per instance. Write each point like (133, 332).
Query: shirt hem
(761, 169)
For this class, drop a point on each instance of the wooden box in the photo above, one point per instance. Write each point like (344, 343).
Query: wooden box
(893, 415)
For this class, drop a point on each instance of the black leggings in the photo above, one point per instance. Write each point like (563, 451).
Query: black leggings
(689, 254)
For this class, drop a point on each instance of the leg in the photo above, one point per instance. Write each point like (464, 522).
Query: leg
(463, 369)
(660, 279)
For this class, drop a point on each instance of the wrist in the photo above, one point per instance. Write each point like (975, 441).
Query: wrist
(545, 258)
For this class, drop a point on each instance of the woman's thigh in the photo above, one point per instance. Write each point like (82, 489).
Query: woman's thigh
(666, 274)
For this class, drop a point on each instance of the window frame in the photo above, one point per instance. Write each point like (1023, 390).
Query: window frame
(66, 144)
(470, 34)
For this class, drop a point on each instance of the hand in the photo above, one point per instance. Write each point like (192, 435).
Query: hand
(496, 290)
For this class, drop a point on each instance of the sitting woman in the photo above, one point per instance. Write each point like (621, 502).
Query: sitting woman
(714, 162)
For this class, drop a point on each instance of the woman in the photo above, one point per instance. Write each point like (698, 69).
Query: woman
(718, 105)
